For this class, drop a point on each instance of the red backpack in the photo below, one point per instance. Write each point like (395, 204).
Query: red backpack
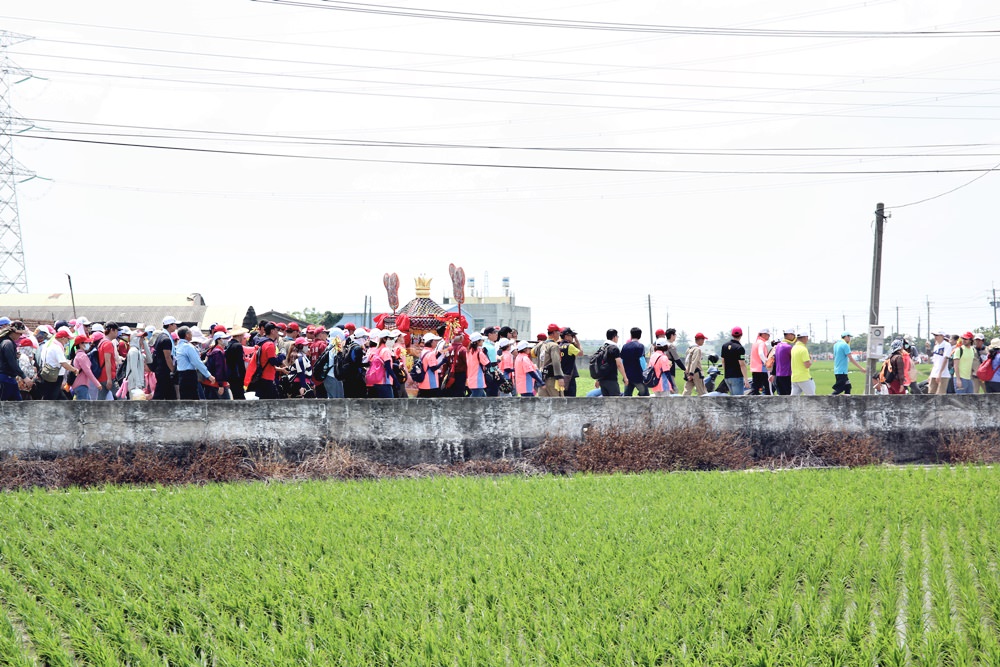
(986, 370)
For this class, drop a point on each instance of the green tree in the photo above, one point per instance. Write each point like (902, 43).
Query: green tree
(989, 333)
(312, 316)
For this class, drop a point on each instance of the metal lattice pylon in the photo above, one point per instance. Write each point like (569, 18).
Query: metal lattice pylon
(13, 277)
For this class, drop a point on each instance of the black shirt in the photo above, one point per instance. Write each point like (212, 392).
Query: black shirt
(159, 364)
(8, 359)
(732, 354)
(235, 363)
(610, 367)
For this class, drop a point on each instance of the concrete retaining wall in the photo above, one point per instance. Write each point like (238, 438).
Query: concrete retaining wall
(408, 432)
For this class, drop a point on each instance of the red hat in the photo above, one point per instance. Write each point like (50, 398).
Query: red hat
(967, 334)
(660, 333)
(542, 336)
(350, 326)
(80, 340)
(293, 326)
(26, 342)
(319, 329)
(699, 335)
(62, 334)
(310, 329)
(301, 341)
(737, 331)
(553, 328)
(281, 326)
(219, 327)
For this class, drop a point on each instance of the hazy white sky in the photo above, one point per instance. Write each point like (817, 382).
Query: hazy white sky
(582, 248)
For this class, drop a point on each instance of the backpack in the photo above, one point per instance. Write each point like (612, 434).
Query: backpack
(599, 363)
(418, 372)
(887, 375)
(649, 377)
(322, 367)
(376, 370)
(986, 371)
(342, 362)
(95, 362)
(258, 371)
(157, 356)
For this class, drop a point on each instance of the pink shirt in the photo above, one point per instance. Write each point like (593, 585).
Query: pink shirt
(506, 362)
(758, 356)
(524, 383)
(429, 358)
(380, 354)
(86, 375)
(662, 364)
(476, 360)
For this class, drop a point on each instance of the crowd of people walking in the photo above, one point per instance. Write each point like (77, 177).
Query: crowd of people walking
(81, 360)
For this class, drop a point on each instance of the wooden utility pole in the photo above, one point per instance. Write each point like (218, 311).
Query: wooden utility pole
(876, 286)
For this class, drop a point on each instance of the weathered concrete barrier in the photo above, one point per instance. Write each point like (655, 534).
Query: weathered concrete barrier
(408, 432)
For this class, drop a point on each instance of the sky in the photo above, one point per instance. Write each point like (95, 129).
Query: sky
(601, 170)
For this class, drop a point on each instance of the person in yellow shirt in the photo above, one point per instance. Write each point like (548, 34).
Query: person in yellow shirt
(802, 381)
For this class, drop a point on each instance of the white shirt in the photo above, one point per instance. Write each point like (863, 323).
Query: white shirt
(55, 355)
(939, 357)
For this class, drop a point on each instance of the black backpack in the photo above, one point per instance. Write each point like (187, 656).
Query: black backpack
(342, 363)
(599, 363)
(418, 372)
(95, 362)
(322, 367)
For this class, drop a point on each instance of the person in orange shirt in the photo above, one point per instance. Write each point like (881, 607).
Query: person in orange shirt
(507, 362)
(526, 375)
(432, 361)
(476, 360)
(758, 364)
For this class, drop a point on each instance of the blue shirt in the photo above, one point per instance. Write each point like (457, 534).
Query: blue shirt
(491, 350)
(632, 352)
(841, 352)
(188, 358)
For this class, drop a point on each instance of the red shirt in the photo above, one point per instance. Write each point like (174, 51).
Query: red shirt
(107, 347)
(268, 352)
(316, 349)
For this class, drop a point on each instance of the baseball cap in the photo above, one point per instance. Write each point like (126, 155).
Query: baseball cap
(83, 320)
(788, 331)
(218, 327)
(395, 333)
(319, 329)
(350, 326)
(124, 331)
(699, 335)
(62, 333)
(97, 336)
(737, 331)
(281, 326)
(219, 335)
(979, 336)
(553, 328)
(845, 334)
(523, 345)
(659, 333)
(661, 341)
(301, 340)
(567, 332)
(503, 342)
(376, 334)
(80, 340)
(292, 326)
(27, 342)
(541, 336)
(802, 334)
(475, 337)
(967, 335)
(61, 323)
(150, 330)
(430, 336)
(167, 321)
(939, 332)
(359, 334)
(765, 331)
(4, 321)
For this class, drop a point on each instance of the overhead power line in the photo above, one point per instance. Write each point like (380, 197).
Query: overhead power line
(488, 165)
(526, 21)
(947, 192)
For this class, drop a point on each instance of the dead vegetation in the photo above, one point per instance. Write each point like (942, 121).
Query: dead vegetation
(608, 450)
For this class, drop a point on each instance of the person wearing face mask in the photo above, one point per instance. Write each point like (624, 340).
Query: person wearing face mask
(85, 386)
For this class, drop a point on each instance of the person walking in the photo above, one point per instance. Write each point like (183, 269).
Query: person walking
(963, 363)
(631, 354)
(189, 366)
(734, 365)
(550, 362)
(12, 378)
(842, 355)
(940, 375)
(27, 360)
(802, 380)
(236, 365)
(609, 365)
(454, 385)
(215, 361)
(504, 346)
(526, 375)
(694, 376)
(163, 362)
(979, 345)
(570, 350)
(352, 365)
(760, 385)
(55, 366)
(431, 361)
(783, 363)
(332, 385)
(136, 359)
(379, 376)
(674, 356)
(85, 386)
(476, 361)
(659, 361)
(993, 355)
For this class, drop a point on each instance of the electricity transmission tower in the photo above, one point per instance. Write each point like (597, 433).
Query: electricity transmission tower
(13, 277)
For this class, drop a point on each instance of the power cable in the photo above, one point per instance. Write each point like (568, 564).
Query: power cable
(504, 19)
(189, 149)
(947, 192)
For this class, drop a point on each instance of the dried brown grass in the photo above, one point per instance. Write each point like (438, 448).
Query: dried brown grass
(970, 447)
